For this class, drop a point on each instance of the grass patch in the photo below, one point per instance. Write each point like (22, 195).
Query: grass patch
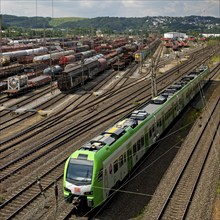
(1, 199)
(216, 58)
(194, 114)
(58, 21)
(136, 103)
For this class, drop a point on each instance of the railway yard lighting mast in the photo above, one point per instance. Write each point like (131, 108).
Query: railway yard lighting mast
(141, 57)
(82, 65)
(153, 78)
(1, 57)
(177, 57)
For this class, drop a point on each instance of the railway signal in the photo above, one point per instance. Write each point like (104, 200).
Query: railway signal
(40, 187)
(56, 193)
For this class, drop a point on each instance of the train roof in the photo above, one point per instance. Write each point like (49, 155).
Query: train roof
(137, 117)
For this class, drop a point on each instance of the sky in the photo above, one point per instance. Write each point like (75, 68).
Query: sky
(111, 8)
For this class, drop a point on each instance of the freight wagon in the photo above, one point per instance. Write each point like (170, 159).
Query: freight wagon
(122, 62)
(141, 54)
(76, 74)
(76, 57)
(3, 86)
(52, 56)
(98, 167)
(21, 84)
(29, 52)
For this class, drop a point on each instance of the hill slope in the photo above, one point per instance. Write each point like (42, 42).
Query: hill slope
(120, 24)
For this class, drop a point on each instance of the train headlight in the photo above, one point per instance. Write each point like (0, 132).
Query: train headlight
(88, 193)
(66, 189)
(90, 202)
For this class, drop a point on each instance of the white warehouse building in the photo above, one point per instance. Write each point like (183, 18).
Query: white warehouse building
(172, 35)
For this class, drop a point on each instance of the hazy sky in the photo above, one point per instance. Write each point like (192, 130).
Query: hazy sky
(112, 8)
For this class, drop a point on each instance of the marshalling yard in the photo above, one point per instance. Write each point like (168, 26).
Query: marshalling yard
(58, 94)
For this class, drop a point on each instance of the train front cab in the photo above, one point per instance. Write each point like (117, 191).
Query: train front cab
(77, 181)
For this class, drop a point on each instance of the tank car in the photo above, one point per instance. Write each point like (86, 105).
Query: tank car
(82, 48)
(54, 70)
(67, 59)
(87, 54)
(47, 57)
(20, 53)
(98, 167)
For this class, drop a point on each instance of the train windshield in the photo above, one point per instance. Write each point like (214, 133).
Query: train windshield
(79, 172)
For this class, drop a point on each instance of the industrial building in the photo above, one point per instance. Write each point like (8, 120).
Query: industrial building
(171, 35)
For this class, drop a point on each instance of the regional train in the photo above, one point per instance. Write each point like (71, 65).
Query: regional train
(140, 55)
(101, 164)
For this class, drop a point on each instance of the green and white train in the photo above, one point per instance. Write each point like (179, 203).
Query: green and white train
(101, 164)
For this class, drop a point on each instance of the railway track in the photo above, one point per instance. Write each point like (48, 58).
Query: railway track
(180, 196)
(19, 199)
(201, 158)
(21, 101)
(58, 120)
(8, 123)
(123, 80)
(119, 110)
(65, 117)
(71, 130)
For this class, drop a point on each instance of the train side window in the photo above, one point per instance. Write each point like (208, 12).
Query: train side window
(121, 161)
(146, 136)
(134, 148)
(125, 157)
(142, 141)
(115, 166)
(139, 145)
(129, 153)
(150, 133)
(160, 122)
(153, 129)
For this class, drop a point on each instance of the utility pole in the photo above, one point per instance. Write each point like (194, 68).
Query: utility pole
(153, 79)
(141, 54)
(118, 63)
(1, 57)
(177, 58)
(82, 65)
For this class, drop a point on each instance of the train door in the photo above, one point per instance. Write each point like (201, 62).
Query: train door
(129, 159)
(178, 105)
(146, 139)
(105, 184)
(122, 167)
(153, 131)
